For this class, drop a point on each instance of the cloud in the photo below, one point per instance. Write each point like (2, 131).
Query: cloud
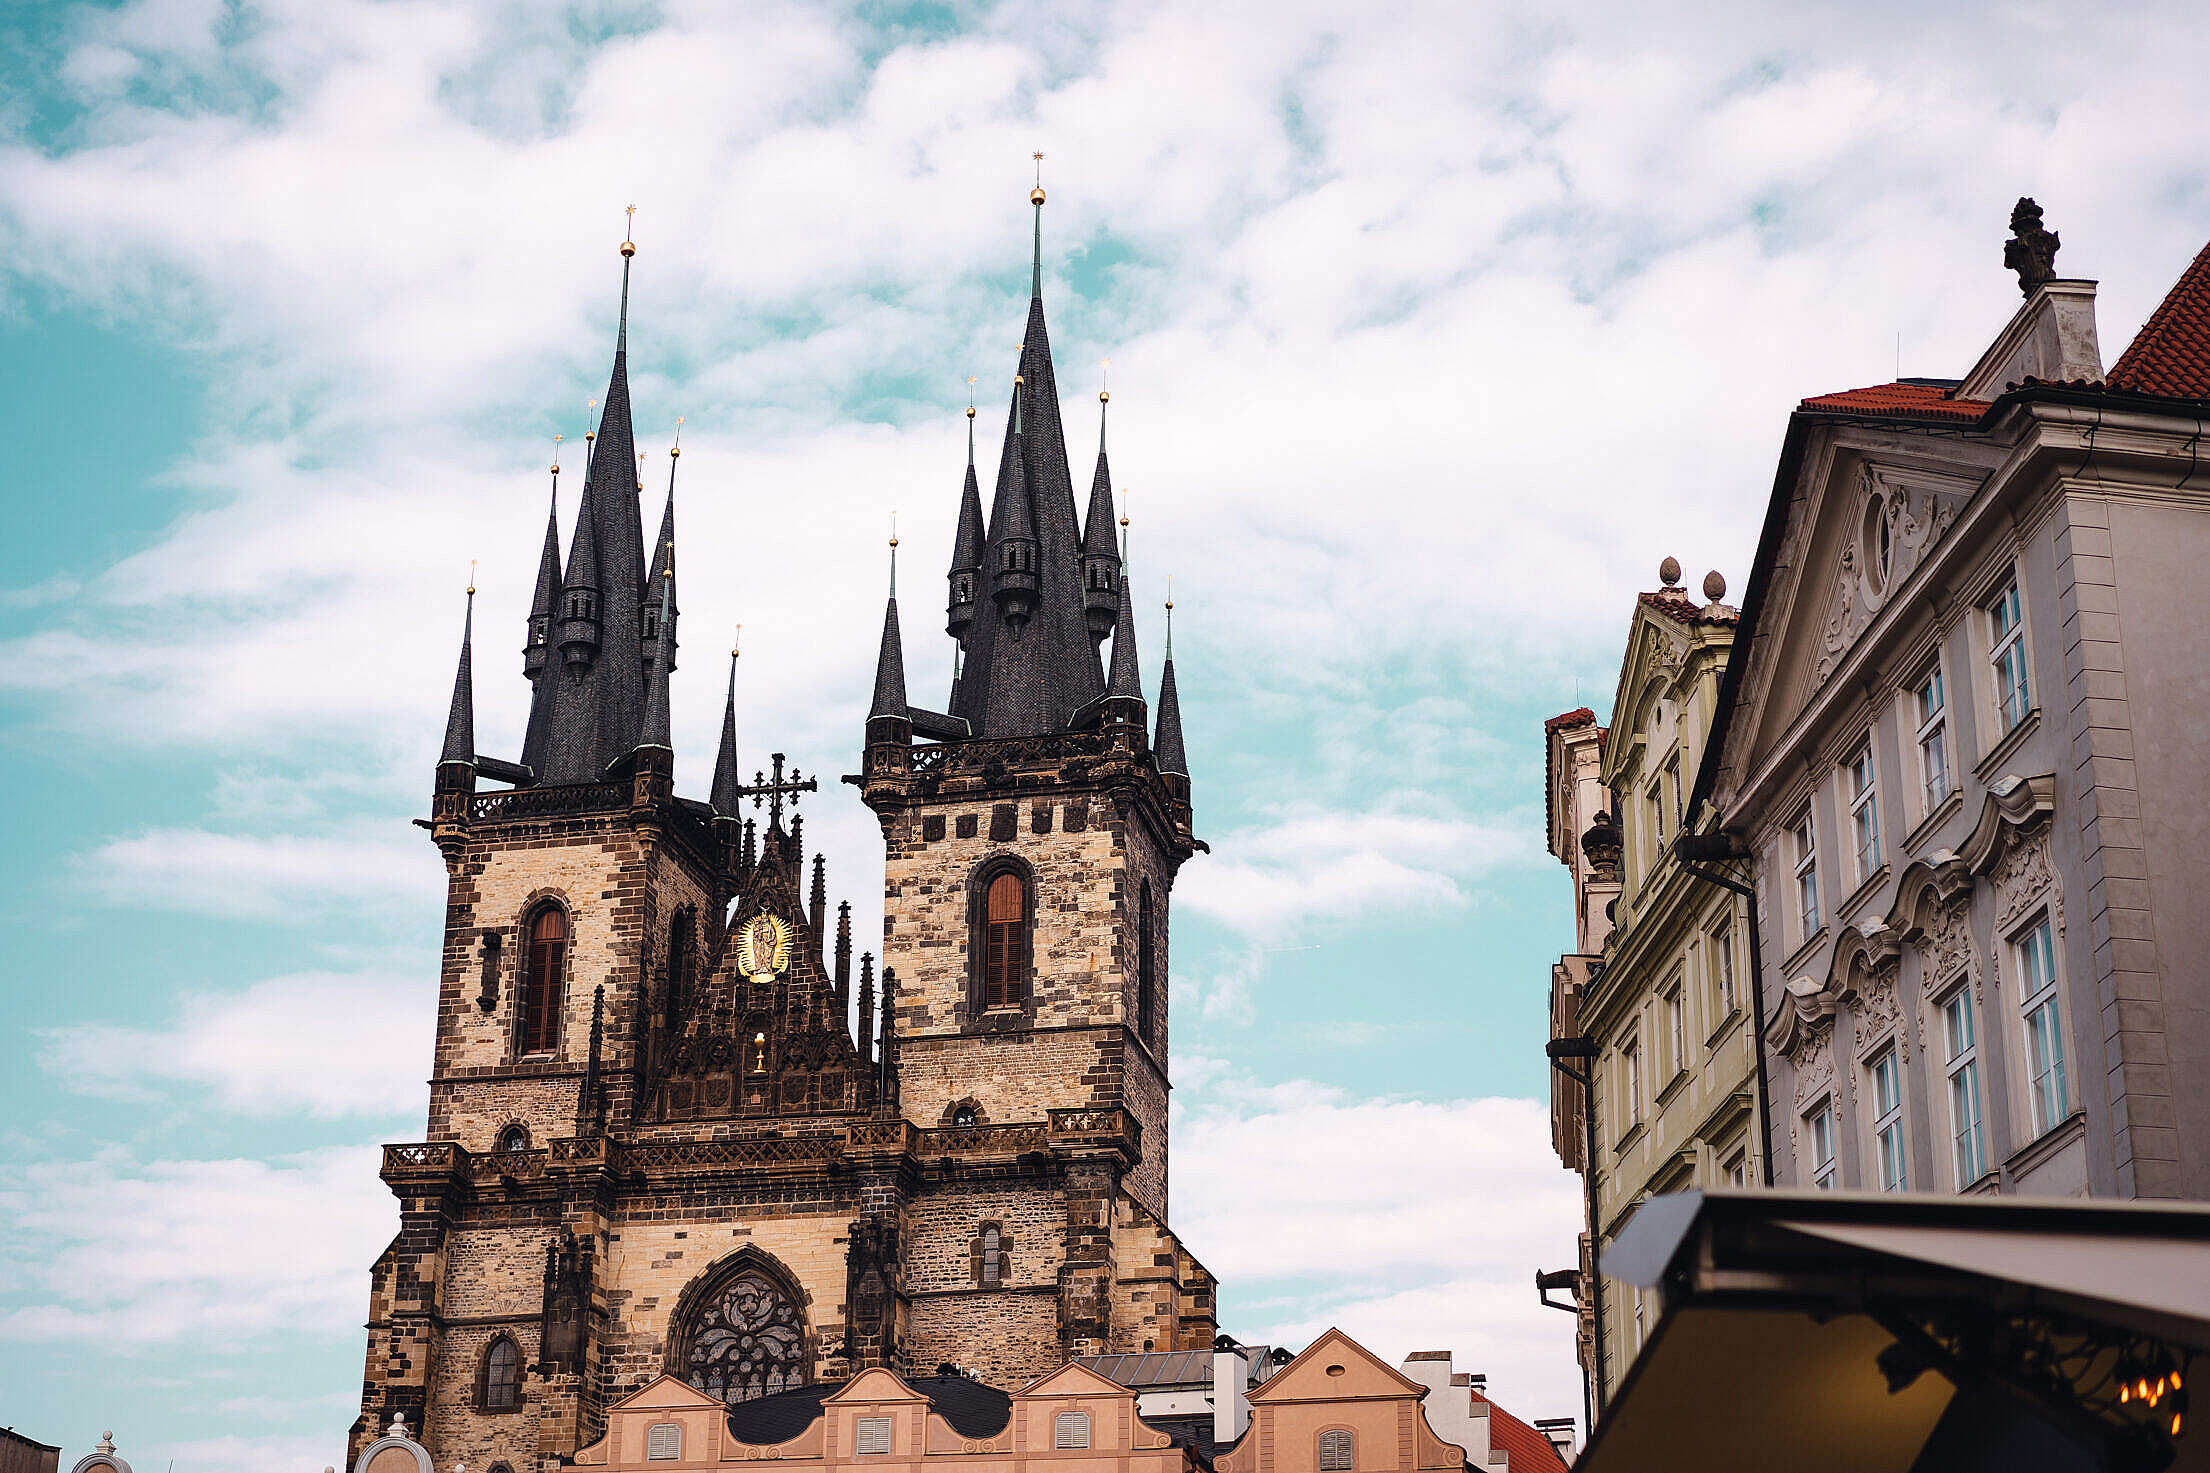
(144, 1256)
(244, 1049)
(1413, 1225)
(1315, 867)
(271, 877)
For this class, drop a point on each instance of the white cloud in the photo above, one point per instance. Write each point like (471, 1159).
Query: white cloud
(1412, 1225)
(157, 1254)
(321, 1043)
(281, 876)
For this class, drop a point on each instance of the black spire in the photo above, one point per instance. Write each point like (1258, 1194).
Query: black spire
(460, 721)
(663, 567)
(543, 611)
(598, 707)
(1100, 555)
(1030, 662)
(889, 699)
(1166, 748)
(966, 569)
(1124, 692)
(655, 728)
(726, 777)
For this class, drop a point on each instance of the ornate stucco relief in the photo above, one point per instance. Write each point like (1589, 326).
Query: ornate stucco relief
(1896, 528)
(2022, 877)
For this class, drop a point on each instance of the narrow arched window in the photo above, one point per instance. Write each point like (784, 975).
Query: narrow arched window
(964, 1117)
(993, 1262)
(1335, 1451)
(679, 968)
(1004, 941)
(514, 1138)
(545, 974)
(1070, 1429)
(502, 1377)
(1146, 978)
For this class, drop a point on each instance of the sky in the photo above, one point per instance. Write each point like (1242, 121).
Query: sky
(1433, 327)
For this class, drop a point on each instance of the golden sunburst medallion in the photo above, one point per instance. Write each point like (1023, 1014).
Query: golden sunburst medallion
(763, 947)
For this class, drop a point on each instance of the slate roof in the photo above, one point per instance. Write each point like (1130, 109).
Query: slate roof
(2170, 356)
(1901, 400)
(972, 1409)
(460, 720)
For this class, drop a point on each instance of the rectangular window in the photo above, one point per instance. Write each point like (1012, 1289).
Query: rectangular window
(1737, 1169)
(1887, 1120)
(1673, 788)
(1818, 1134)
(1864, 811)
(2037, 995)
(1722, 962)
(1931, 706)
(1630, 1079)
(1657, 823)
(664, 1443)
(871, 1435)
(1807, 876)
(2007, 656)
(1962, 1062)
(1676, 1029)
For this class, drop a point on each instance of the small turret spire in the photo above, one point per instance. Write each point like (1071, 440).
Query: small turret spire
(1166, 747)
(663, 569)
(656, 732)
(967, 542)
(1013, 530)
(727, 779)
(460, 720)
(890, 698)
(1101, 557)
(1126, 681)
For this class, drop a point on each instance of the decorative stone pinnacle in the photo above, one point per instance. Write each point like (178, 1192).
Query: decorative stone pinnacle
(2031, 251)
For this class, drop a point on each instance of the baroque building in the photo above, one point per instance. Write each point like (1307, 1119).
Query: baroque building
(1659, 989)
(1955, 750)
(669, 1134)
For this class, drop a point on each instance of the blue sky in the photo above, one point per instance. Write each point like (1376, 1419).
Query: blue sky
(1433, 328)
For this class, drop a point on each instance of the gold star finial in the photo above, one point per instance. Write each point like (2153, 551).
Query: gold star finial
(676, 450)
(629, 228)
(1036, 195)
(471, 577)
(1104, 372)
(893, 528)
(970, 396)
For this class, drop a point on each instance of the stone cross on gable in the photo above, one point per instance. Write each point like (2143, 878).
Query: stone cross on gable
(771, 790)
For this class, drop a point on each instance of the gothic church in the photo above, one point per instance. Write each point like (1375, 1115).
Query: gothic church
(664, 1135)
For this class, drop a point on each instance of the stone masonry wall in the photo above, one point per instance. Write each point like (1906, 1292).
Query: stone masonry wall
(1004, 1335)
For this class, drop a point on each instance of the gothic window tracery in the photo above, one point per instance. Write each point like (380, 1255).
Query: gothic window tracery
(545, 964)
(746, 1338)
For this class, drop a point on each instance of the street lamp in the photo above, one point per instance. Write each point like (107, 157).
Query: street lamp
(1565, 1054)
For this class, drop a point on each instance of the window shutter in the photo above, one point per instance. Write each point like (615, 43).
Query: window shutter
(871, 1435)
(664, 1443)
(1335, 1452)
(1071, 1429)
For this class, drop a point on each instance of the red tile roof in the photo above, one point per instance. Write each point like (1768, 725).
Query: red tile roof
(1570, 721)
(1581, 717)
(1897, 401)
(1525, 1450)
(2170, 356)
(1678, 605)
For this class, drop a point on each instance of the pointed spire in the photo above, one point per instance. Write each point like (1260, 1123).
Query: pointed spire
(629, 250)
(867, 1006)
(890, 700)
(655, 732)
(1166, 747)
(663, 559)
(1036, 198)
(460, 721)
(967, 544)
(817, 902)
(1100, 554)
(1013, 530)
(537, 649)
(726, 777)
(1126, 681)
(843, 958)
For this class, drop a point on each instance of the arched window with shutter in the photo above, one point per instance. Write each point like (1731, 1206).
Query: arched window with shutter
(544, 979)
(514, 1138)
(1003, 934)
(499, 1387)
(1336, 1450)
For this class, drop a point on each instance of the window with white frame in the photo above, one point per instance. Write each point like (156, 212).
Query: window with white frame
(1930, 706)
(1864, 811)
(2036, 952)
(1806, 857)
(1673, 787)
(1630, 1081)
(1676, 1027)
(1961, 1062)
(664, 1443)
(1722, 967)
(871, 1436)
(1070, 1430)
(1818, 1139)
(1887, 1120)
(1737, 1169)
(2006, 656)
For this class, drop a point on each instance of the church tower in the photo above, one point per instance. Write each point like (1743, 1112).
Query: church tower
(1032, 843)
(666, 1130)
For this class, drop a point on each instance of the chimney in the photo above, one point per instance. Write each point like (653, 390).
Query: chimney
(1559, 1432)
(1231, 1402)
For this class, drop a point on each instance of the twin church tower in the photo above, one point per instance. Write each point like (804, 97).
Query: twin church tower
(665, 1134)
